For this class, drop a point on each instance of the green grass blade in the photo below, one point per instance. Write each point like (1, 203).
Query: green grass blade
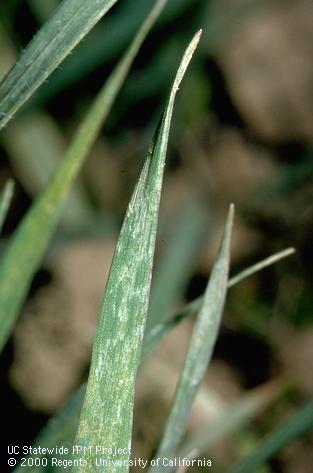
(108, 407)
(200, 350)
(69, 24)
(156, 334)
(5, 200)
(298, 425)
(30, 241)
(261, 265)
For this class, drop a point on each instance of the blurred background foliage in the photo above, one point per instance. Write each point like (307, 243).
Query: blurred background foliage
(242, 132)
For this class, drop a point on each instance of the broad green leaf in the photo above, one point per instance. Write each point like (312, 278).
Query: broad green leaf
(107, 412)
(298, 425)
(69, 24)
(5, 199)
(199, 352)
(31, 238)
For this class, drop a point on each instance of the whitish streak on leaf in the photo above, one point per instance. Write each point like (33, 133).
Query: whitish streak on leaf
(71, 21)
(31, 239)
(106, 418)
(199, 352)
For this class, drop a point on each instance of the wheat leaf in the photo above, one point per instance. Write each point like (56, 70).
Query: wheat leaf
(106, 417)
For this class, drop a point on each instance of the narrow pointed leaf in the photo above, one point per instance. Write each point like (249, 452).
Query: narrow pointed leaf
(298, 425)
(200, 351)
(69, 24)
(108, 407)
(5, 200)
(31, 239)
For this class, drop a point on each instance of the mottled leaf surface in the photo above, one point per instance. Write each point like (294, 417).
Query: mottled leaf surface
(107, 412)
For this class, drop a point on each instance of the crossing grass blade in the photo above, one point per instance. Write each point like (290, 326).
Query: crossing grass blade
(260, 265)
(69, 24)
(5, 200)
(107, 412)
(157, 332)
(298, 425)
(200, 351)
(31, 238)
